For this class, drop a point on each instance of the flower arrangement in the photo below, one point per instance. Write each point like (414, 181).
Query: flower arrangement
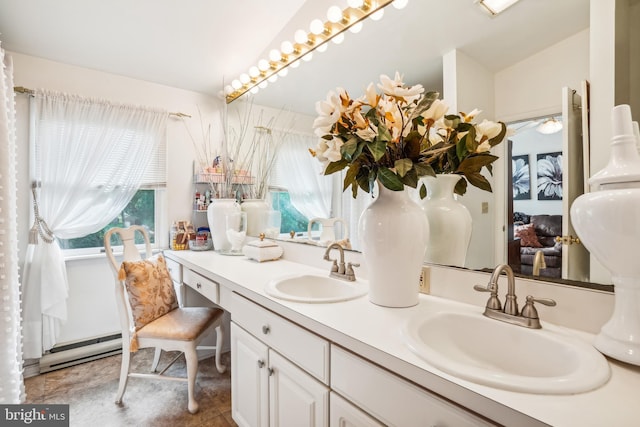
(400, 135)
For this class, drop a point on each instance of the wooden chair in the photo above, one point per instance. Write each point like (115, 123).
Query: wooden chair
(181, 328)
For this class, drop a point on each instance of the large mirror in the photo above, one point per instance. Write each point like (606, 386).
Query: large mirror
(521, 58)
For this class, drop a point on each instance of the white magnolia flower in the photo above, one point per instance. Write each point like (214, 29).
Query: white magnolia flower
(397, 88)
(485, 146)
(329, 111)
(436, 111)
(487, 129)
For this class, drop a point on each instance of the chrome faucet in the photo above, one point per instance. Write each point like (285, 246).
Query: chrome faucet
(339, 270)
(529, 315)
(538, 263)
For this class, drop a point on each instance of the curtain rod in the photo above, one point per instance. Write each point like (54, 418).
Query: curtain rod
(30, 92)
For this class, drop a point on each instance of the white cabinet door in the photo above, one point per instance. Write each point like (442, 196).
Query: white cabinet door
(344, 414)
(249, 379)
(295, 398)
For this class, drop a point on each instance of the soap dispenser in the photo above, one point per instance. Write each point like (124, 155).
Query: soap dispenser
(607, 222)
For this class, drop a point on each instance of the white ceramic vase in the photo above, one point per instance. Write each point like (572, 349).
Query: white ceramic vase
(393, 234)
(606, 220)
(216, 216)
(256, 210)
(449, 221)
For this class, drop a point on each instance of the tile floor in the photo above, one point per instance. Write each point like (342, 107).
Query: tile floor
(90, 391)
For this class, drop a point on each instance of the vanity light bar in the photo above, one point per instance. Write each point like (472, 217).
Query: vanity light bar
(301, 49)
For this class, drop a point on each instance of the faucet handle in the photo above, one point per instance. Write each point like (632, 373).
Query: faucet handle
(351, 275)
(493, 302)
(529, 310)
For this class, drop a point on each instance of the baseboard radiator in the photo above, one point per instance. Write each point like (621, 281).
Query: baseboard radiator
(80, 352)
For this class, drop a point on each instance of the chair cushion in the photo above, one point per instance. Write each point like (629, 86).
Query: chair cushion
(149, 288)
(184, 324)
(527, 235)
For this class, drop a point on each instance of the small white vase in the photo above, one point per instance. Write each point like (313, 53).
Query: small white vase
(393, 234)
(216, 216)
(450, 222)
(256, 210)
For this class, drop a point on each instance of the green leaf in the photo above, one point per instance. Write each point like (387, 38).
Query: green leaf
(349, 148)
(377, 149)
(461, 148)
(473, 164)
(423, 191)
(498, 139)
(410, 179)
(478, 180)
(461, 187)
(423, 169)
(470, 141)
(424, 104)
(336, 166)
(383, 133)
(351, 175)
(389, 179)
(403, 166)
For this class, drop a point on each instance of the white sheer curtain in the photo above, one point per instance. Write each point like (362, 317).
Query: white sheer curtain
(88, 158)
(301, 174)
(351, 209)
(11, 384)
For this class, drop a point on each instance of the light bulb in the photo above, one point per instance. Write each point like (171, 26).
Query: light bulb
(308, 57)
(286, 47)
(272, 78)
(244, 78)
(263, 65)
(355, 3)
(338, 38)
(283, 72)
(254, 90)
(322, 48)
(400, 4)
(356, 28)
(377, 15)
(236, 84)
(300, 36)
(254, 71)
(275, 55)
(263, 84)
(316, 26)
(228, 89)
(295, 64)
(334, 14)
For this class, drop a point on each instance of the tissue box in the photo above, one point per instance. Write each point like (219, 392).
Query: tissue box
(262, 250)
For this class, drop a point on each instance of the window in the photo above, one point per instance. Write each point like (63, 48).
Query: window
(140, 211)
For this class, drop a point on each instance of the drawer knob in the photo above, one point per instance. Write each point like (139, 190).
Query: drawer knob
(198, 285)
(266, 329)
(261, 364)
(271, 371)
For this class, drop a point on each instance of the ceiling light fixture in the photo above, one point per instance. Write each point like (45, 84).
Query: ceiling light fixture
(305, 43)
(495, 7)
(549, 126)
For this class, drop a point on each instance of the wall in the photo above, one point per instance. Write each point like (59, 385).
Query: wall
(35, 73)
(469, 85)
(531, 143)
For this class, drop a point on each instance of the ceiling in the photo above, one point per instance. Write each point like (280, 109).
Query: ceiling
(199, 44)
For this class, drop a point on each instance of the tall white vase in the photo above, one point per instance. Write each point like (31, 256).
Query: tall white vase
(256, 210)
(449, 221)
(216, 216)
(393, 234)
(606, 220)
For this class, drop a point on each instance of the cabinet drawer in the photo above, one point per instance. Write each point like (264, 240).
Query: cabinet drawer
(302, 347)
(207, 287)
(390, 398)
(175, 270)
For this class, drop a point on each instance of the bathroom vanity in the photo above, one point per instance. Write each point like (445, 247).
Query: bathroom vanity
(347, 363)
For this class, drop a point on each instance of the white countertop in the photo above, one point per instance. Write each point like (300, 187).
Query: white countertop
(374, 333)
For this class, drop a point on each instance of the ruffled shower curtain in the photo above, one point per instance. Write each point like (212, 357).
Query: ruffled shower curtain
(11, 384)
(88, 158)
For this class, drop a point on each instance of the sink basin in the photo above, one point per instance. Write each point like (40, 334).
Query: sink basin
(497, 354)
(312, 288)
